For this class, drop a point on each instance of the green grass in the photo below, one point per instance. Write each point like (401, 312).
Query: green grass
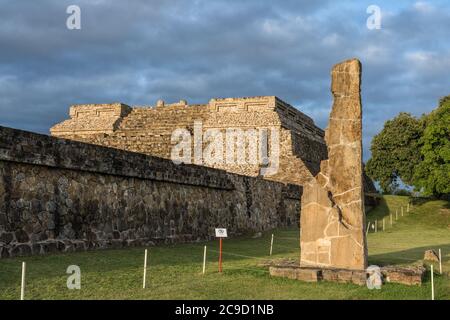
(175, 271)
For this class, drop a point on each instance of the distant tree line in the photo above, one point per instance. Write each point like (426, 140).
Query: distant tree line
(415, 151)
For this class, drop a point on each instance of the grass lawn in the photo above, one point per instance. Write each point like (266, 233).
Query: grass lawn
(175, 271)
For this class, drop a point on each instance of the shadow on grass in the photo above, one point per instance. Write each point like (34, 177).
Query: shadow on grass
(177, 255)
(237, 252)
(418, 201)
(382, 210)
(447, 205)
(406, 256)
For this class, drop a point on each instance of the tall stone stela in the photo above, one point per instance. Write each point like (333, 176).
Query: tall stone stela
(332, 218)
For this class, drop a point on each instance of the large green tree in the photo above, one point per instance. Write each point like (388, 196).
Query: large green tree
(395, 152)
(432, 174)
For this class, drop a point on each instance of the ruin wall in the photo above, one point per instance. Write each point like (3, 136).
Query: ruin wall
(62, 195)
(149, 129)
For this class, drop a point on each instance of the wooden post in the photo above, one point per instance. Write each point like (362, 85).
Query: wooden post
(367, 230)
(384, 226)
(271, 245)
(402, 211)
(145, 270)
(204, 260)
(390, 217)
(220, 255)
(440, 261)
(22, 286)
(376, 225)
(407, 207)
(432, 283)
(396, 214)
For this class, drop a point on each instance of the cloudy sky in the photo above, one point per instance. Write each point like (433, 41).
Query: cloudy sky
(137, 52)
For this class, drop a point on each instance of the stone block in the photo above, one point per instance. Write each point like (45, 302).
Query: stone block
(4, 253)
(21, 236)
(431, 255)
(7, 237)
(411, 275)
(308, 274)
(295, 273)
(333, 201)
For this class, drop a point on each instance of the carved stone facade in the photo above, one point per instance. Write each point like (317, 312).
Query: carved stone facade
(332, 216)
(149, 130)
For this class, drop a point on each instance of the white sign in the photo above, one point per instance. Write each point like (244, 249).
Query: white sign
(221, 233)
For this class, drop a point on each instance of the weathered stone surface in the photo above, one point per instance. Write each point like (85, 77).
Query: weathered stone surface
(309, 274)
(21, 236)
(332, 216)
(7, 237)
(296, 273)
(431, 255)
(411, 275)
(148, 130)
(59, 195)
(407, 275)
(358, 277)
(4, 253)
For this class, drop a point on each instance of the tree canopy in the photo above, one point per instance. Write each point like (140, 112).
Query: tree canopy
(395, 152)
(432, 174)
(415, 151)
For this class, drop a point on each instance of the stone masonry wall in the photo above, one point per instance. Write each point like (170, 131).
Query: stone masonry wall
(61, 195)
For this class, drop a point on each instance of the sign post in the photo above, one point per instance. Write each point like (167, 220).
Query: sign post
(220, 233)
